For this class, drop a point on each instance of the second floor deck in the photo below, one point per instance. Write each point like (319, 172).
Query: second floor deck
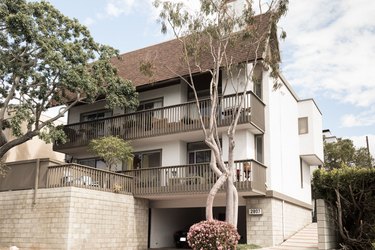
(166, 120)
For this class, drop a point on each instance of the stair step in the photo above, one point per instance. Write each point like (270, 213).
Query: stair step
(305, 239)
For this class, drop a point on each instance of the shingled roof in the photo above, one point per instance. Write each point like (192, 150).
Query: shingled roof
(165, 58)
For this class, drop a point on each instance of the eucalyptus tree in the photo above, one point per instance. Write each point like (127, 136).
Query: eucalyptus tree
(49, 59)
(209, 39)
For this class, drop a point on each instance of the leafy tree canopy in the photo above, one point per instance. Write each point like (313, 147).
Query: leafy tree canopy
(111, 149)
(47, 58)
(343, 152)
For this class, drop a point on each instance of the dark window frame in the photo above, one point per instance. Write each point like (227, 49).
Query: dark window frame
(146, 152)
(303, 121)
(147, 101)
(256, 148)
(96, 112)
(258, 83)
(95, 159)
(202, 93)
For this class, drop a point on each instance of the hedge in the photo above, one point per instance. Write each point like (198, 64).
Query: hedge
(351, 192)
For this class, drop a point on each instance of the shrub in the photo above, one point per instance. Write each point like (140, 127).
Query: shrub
(351, 192)
(213, 234)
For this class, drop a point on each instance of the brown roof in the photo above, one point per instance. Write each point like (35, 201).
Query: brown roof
(165, 58)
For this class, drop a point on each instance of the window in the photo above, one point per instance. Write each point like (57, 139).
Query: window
(303, 126)
(146, 118)
(93, 162)
(202, 86)
(150, 104)
(147, 159)
(95, 115)
(198, 152)
(259, 148)
(257, 80)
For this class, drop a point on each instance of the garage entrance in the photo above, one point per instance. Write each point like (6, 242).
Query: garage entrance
(165, 222)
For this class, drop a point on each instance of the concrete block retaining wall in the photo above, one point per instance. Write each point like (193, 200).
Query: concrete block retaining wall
(279, 220)
(327, 235)
(72, 218)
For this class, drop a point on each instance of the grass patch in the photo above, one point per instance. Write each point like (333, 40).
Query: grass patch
(247, 246)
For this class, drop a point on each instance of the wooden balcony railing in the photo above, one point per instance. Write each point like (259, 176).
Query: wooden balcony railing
(162, 121)
(185, 179)
(86, 177)
(197, 178)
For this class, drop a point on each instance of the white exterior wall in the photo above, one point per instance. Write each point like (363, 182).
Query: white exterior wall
(238, 84)
(312, 142)
(173, 152)
(244, 147)
(171, 95)
(281, 142)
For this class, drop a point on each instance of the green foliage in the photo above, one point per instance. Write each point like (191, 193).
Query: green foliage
(47, 58)
(213, 234)
(111, 149)
(343, 152)
(51, 133)
(351, 191)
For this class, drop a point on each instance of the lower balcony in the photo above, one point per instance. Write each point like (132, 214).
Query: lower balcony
(150, 183)
(180, 118)
(192, 179)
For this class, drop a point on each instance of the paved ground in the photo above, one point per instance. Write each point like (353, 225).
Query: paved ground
(306, 239)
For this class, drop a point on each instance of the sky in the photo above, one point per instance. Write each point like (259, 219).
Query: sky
(328, 54)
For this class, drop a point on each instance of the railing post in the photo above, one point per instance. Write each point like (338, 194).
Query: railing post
(36, 184)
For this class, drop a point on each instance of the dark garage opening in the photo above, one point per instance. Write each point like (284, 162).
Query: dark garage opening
(164, 222)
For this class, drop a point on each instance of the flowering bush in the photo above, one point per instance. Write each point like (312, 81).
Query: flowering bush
(213, 234)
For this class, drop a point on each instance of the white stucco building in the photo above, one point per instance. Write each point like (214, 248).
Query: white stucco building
(279, 135)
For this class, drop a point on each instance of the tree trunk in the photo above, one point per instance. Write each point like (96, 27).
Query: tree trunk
(231, 198)
(211, 196)
(229, 215)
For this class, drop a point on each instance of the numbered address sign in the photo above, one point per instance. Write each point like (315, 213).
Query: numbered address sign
(255, 211)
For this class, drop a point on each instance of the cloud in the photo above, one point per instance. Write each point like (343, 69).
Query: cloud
(364, 118)
(88, 21)
(330, 50)
(115, 8)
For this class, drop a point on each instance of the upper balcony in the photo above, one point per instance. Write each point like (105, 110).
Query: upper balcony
(163, 121)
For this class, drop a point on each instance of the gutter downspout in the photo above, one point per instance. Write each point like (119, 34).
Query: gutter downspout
(283, 221)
